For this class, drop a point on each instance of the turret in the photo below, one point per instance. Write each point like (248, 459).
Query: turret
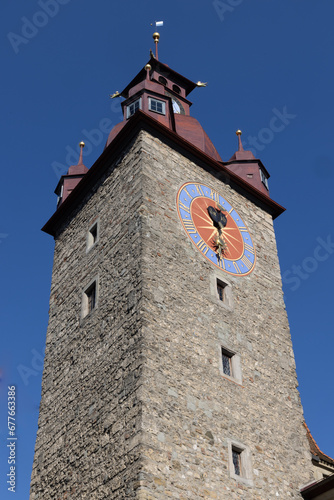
(69, 181)
(245, 165)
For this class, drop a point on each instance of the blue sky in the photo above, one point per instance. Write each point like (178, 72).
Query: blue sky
(262, 58)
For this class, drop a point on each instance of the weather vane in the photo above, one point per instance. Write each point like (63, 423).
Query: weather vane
(156, 37)
(157, 24)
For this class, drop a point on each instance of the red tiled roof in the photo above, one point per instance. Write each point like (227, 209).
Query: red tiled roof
(315, 450)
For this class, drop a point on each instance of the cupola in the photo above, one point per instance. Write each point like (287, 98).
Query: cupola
(162, 93)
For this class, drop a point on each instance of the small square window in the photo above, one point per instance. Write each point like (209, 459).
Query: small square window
(92, 235)
(221, 291)
(157, 106)
(89, 299)
(133, 107)
(230, 365)
(240, 463)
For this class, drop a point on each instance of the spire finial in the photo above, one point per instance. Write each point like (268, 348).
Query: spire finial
(156, 37)
(240, 147)
(82, 145)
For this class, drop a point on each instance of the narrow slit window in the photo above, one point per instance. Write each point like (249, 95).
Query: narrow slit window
(236, 458)
(92, 235)
(220, 290)
(227, 362)
(89, 299)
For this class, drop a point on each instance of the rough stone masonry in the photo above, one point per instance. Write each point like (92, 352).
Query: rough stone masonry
(134, 403)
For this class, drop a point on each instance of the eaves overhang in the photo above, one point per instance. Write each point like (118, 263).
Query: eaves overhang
(142, 121)
(317, 488)
(253, 160)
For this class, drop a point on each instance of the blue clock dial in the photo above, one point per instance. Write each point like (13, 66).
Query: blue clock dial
(216, 229)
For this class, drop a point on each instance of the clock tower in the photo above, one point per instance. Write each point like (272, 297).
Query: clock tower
(169, 370)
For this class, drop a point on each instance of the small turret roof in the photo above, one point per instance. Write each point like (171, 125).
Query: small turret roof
(315, 450)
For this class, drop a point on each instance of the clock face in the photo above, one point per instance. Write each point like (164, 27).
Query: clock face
(176, 104)
(216, 229)
(176, 107)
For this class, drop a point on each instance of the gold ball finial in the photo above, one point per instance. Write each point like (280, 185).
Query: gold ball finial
(156, 37)
(148, 67)
(82, 144)
(238, 132)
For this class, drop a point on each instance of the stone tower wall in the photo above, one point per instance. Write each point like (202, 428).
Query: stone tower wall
(190, 410)
(134, 404)
(90, 415)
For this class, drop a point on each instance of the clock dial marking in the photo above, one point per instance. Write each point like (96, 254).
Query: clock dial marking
(189, 225)
(246, 261)
(199, 190)
(249, 248)
(237, 268)
(184, 207)
(190, 196)
(202, 246)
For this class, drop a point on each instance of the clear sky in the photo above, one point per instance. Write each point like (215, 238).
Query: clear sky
(261, 58)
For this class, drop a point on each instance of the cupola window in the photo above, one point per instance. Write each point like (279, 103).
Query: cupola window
(163, 80)
(176, 89)
(133, 107)
(157, 106)
(264, 179)
(60, 197)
